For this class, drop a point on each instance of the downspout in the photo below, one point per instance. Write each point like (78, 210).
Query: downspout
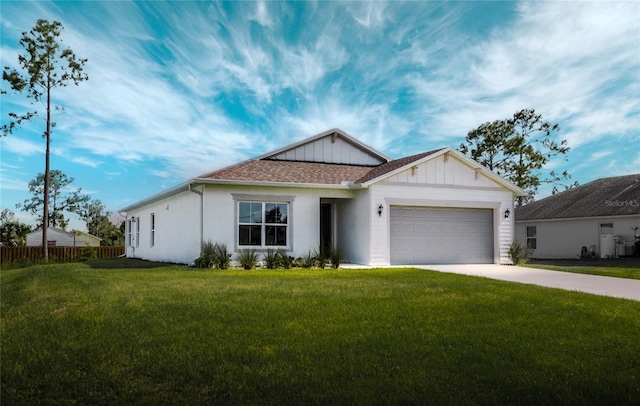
(198, 192)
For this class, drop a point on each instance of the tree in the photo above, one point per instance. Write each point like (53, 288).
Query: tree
(46, 67)
(517, 149)
(62, 198)
(96, 217)
(12, 232)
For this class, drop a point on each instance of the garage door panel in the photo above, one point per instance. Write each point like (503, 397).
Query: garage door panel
(428, 235)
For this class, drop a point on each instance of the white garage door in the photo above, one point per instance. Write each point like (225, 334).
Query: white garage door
(427, 235)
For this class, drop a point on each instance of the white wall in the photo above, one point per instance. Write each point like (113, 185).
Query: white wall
(353, 227)
(565, 238)
(177, 230)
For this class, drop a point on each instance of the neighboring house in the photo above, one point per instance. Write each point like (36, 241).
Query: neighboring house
(86, 240)
(331, 190)
(603, 216)
(58, 237)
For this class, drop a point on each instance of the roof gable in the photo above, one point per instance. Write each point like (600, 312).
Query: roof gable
(417, 162)
(615, 196)
(330, 147)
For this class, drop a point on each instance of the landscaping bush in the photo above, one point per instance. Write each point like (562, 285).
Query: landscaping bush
(285, 260)
(336, 257)
(518, 254)
(248, 259)
(87, 253)
(272, 259)
(213, 256)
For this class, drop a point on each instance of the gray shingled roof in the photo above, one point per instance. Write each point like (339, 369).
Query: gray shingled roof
(616, 196)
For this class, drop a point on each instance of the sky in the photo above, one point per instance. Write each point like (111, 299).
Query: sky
(179, 89)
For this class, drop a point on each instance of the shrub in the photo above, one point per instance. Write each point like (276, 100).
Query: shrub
(221, 256)
(335, 254)
(307, 261)
(272, 259)
(320, 257)
(87, 253)
(285, 261)
(518, 254)
(213, 255)
(248, 259)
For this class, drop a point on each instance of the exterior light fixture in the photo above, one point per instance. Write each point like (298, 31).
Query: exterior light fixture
(506, 213)
(380, 208)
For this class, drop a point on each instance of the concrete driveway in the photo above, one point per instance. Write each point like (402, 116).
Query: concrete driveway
(597, 285)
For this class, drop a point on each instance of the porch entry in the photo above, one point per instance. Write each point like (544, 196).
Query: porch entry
(326, 228)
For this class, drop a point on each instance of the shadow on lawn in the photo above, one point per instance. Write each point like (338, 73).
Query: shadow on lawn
(126, 263)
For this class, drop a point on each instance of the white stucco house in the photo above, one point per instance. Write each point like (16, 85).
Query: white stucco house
(602, 216)
(58, 237)
(332, 190)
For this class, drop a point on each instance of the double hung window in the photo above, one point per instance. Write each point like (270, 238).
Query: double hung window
(263, 224)
(532, 239)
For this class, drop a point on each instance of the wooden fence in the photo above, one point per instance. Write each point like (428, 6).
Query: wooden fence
(57, 254)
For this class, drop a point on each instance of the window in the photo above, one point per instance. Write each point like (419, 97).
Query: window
(262, 224)
(532, 241)
(137, 220)
(606, 228)
(153, 229)
(129, 231)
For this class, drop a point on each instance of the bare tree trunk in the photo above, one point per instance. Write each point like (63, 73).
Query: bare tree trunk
(45, 214)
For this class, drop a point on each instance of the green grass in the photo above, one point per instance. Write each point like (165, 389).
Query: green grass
(73, 334)
(617, 267)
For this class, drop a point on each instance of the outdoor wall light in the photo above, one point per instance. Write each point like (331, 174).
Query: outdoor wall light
(380, 208)
(506, 213)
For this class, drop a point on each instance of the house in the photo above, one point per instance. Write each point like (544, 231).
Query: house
(331, 190)
(602, 216)
(58, 237)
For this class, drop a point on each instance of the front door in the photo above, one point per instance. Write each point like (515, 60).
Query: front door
(325, 227)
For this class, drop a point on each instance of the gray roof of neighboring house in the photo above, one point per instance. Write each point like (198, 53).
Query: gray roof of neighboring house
(616, 196)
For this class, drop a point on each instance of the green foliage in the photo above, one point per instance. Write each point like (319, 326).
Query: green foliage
(12, 232)
(271, 259)
(96, 218)
(335, 255)
(72, 334)
(517, 149)
(518, 254)
(213, 256)
(307, 261)
(62, 198)
(44, 67)
(248, 259)
(320, 257)
(87, 253)
(286, 261)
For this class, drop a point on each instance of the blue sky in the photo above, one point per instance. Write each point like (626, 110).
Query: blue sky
(179, 89)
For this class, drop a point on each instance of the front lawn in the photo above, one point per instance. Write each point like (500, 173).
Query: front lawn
(72, 334)
(620, 268)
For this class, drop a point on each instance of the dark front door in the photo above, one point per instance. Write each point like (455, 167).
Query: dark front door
(325, 227)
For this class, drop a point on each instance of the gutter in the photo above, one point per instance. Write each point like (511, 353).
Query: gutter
(199, 192)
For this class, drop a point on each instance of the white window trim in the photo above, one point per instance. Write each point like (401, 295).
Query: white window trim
(263, 199)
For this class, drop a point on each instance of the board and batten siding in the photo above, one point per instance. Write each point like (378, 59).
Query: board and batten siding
(439, 182)
(334, 150)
